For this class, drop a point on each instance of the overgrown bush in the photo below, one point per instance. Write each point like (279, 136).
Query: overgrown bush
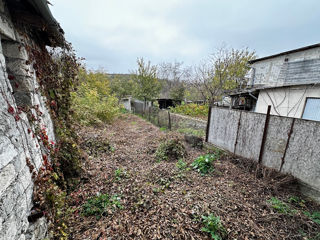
(93, 102)
(203, 164)
(214, 227)
(170, 150)
(192, 109)
(99, 205)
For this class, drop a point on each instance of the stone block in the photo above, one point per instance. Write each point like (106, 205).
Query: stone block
(6, 27)
(7, 175)
(14, 50)
(7, 151)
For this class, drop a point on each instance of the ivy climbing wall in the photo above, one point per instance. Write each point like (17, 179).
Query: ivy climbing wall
(21, 150)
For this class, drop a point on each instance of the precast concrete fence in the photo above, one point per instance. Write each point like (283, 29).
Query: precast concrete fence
(288, 145)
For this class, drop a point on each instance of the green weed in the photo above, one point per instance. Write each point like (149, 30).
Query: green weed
(203, 164)
(213, 226)
(99, 205)
(280, 206)
(297, 201)
(120, 174)
(181, 165)
(315, 216)
(163, 129)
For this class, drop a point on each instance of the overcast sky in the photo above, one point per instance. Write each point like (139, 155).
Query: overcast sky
(112, 33)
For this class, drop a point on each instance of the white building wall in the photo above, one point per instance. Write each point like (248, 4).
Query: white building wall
(267, 72)
(286, 101)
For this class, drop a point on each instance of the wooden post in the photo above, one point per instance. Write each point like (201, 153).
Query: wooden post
(169, 126)
(264, 136)
(208, 123)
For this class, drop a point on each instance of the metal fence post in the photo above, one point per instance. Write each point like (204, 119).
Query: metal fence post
(264, 136)
(208, 123)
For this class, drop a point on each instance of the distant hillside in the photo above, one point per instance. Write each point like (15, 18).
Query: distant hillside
(119, 76)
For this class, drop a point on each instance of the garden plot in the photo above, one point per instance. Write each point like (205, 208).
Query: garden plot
(131, 190)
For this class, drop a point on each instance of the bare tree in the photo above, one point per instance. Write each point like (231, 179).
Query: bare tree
(223, 71)
(174, 75)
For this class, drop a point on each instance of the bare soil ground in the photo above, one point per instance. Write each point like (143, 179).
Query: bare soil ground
(161, 202)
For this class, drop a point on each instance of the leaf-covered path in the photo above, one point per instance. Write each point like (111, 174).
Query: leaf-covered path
(162, 202)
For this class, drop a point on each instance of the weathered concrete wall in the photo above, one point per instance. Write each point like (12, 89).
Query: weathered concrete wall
(179, 122)
(286, 101)
(303, 154)
(16, 143)
(249, 135)
(276, 141)
(224, 135)
(299, 151)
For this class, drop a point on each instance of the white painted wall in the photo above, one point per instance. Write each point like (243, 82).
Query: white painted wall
(286, 101)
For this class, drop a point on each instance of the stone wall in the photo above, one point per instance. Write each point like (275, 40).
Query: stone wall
(17, 143)
(291, 146)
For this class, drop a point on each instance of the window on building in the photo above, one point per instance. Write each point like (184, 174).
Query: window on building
(312, 109)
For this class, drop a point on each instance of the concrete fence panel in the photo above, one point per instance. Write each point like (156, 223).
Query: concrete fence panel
(291, 146)
(223, 128)
(303, 154)
(276, 141)
(250, 135)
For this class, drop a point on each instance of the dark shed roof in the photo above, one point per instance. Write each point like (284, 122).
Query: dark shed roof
(285, 53)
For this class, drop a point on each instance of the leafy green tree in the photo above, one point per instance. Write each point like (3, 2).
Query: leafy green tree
(122, 87)
(147, 85)
(174, 76)
(178, 92)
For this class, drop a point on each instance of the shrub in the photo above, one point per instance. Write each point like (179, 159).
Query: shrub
(193, 110)
(170, 150)
(213, 226)
(92, 102)
(203, 164)
(98, 206)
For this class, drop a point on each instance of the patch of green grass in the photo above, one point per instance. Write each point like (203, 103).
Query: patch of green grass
(191, 131)
(163, 129)
(134, 123)
(213, 226)
(204, 163)
(297, 201)
(280, 206)
(99, 205)
(315, 216)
